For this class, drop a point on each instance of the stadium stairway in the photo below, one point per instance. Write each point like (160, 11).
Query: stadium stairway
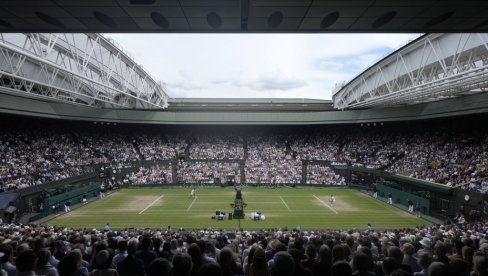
(304, 172)
(244, 144)
(138, 151)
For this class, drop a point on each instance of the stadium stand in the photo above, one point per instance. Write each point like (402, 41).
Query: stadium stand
(456, 249)
(31, 155)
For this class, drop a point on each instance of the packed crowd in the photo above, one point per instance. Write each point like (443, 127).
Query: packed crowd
(268, 162)
(30, 158)
(207, 172)
(117, 149)
(217, 147)
(157, 147)
(157, 174)
(447, 250)
(322, 174)
(316, 147)
(445, 158)
(32, 155)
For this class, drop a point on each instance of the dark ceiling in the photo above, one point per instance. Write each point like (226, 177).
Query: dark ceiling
(238, 16)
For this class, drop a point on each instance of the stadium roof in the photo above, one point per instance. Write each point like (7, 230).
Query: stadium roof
(238, 16)
(256, 16)
(431, 68)
(250, 104)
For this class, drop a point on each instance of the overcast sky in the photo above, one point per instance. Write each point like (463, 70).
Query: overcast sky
(257, 65)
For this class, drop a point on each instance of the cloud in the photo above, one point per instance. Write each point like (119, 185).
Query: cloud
(276, 81)
(330, 65)
(186, 85)
(277, 84)
(256, 65)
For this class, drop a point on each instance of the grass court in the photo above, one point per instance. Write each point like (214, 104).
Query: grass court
(285, 207)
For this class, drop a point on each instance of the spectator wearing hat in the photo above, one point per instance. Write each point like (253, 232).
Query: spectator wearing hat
(426, 244)
(484, 247)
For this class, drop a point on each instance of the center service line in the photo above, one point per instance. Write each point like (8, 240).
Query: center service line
(192, 203)
(328, 206)
(285, 204)
(151, 204)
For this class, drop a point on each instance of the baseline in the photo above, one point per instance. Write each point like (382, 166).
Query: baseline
(151, 204)
(195, 199)
(327, 205)
(282, 200)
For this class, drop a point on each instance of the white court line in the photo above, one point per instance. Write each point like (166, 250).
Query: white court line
(285, 204)
(328, 206)
(226, 203)
(152, 211)
(151, 204)
(192, 203)
(218, 195)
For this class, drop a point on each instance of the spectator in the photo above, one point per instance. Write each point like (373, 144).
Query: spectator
(210, 269)
(159, 267)
(26, 263)
(7, 259)
(103, 265)
(131, 265)
(341, 268)
(43, 265)
(146, 254)
(283, 264)
(182, 265)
